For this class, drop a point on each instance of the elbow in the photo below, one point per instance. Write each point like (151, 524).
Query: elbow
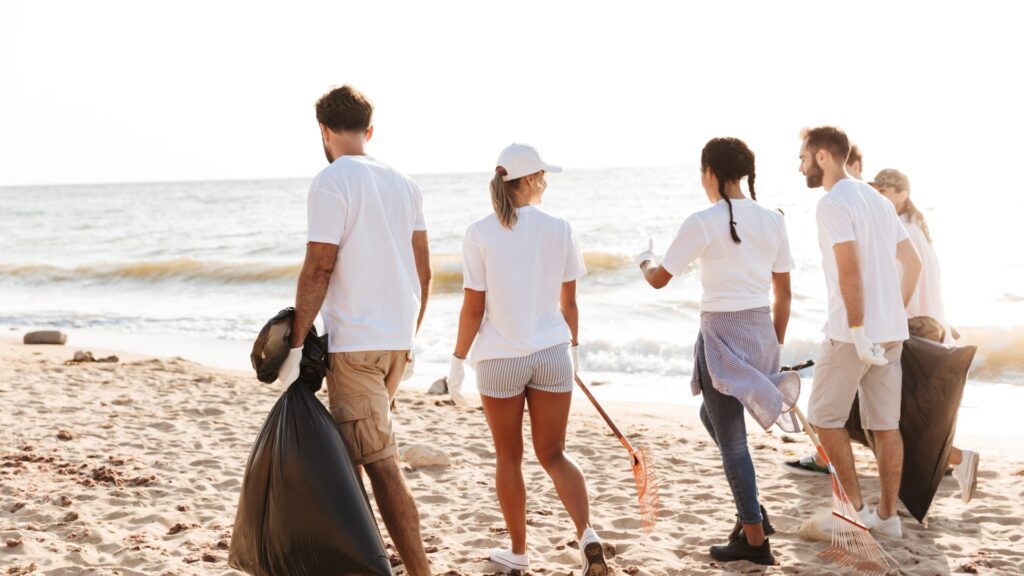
(319, 272)
(783, 297)
(324, 272)
(473, 312)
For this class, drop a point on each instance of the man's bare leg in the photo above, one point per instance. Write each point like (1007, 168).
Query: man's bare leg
(397, 507)
(837, 445)
(889, 451)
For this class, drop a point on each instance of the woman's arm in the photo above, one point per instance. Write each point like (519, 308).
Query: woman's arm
(567, 302)
(469, 320)
(656, 276)
(780, 308)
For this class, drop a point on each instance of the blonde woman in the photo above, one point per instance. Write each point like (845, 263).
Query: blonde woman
(519, 315)
(927, 299)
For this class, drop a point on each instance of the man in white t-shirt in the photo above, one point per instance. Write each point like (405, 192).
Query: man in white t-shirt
(862, 245)
(367, 271)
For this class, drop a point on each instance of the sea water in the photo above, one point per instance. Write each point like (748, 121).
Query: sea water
(196, 268)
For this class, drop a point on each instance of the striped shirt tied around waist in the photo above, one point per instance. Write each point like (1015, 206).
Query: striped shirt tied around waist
(741, 354)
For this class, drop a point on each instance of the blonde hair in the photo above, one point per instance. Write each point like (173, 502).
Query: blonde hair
(502, 197)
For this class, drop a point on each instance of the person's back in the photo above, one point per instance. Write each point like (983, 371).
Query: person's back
(522, 270)
(853, 211)
(927, 298)
(370, 211)
(735, 276)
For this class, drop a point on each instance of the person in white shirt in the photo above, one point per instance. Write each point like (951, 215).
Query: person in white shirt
(927, 299)
(742, 250)
(367, 271)
(519, 315)
(863, 243)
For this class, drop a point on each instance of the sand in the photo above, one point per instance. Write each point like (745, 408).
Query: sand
(134, 468)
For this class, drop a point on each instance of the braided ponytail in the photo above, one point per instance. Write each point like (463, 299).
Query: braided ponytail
(501, 197)
(732, 223)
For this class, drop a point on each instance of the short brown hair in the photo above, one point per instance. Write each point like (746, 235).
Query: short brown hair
(828, 138)
(344, 109)
(855, 156)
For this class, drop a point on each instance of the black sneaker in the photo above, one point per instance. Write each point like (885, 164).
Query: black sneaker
(738, 549)
(766, 525)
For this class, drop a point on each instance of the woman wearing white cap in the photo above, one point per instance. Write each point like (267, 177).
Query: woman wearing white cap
(520, 266)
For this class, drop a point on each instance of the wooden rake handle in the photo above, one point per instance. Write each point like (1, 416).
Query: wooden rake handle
(607, 418)
(814, 435)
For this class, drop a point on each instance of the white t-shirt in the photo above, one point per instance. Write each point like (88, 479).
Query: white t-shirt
(522, 271)
(370, 211)
(734, 276)
(854, 211)
(927, 298)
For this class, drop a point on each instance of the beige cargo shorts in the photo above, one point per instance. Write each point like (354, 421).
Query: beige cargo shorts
(839, 374)
(360, 388)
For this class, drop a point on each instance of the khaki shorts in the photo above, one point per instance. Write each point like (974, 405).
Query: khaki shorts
(839, 375)
(360, 388)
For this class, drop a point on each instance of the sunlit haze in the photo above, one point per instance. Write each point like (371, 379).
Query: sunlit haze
(172, 91)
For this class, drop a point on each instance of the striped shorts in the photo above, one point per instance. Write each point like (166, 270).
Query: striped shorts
(549, 370)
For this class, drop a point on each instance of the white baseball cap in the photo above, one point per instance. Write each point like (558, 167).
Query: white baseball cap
(520, 160)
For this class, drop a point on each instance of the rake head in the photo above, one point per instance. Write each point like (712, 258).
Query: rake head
(852, 544)
(646, 488)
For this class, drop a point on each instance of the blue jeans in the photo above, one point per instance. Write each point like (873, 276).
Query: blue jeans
(722, 415)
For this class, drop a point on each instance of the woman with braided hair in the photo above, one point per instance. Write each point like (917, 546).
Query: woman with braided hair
(742, 251)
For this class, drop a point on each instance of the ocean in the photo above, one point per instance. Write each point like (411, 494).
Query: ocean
(195, 269)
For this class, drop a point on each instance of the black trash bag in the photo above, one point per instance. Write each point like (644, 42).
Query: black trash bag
(934, 377)
(273, 344)
(302, 508)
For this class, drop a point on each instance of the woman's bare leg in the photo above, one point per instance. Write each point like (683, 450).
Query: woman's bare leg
(549, 416)
(505, 418)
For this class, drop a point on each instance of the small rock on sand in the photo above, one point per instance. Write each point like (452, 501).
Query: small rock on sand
(65, 435)
(14, 542)
(46, 337)
(422, 456)
(439, 386)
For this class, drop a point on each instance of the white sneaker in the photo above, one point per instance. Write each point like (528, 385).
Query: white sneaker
(966, 473)
(592, 554)
(890, 526)
(510, 560)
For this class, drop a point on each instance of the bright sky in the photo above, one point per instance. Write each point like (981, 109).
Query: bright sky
(106, 91)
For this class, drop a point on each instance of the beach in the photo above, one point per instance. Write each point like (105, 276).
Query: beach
(134, 468)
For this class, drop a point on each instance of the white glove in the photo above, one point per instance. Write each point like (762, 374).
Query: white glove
(647, 254)
(869, 352)
(289, 371)
(410, 366)
(456, 374)
(574, 351)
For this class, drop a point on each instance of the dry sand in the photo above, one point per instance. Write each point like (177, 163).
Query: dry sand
(134, 468)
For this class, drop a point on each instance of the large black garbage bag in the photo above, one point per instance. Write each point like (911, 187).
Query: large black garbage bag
(302, 508)
(934, 377)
